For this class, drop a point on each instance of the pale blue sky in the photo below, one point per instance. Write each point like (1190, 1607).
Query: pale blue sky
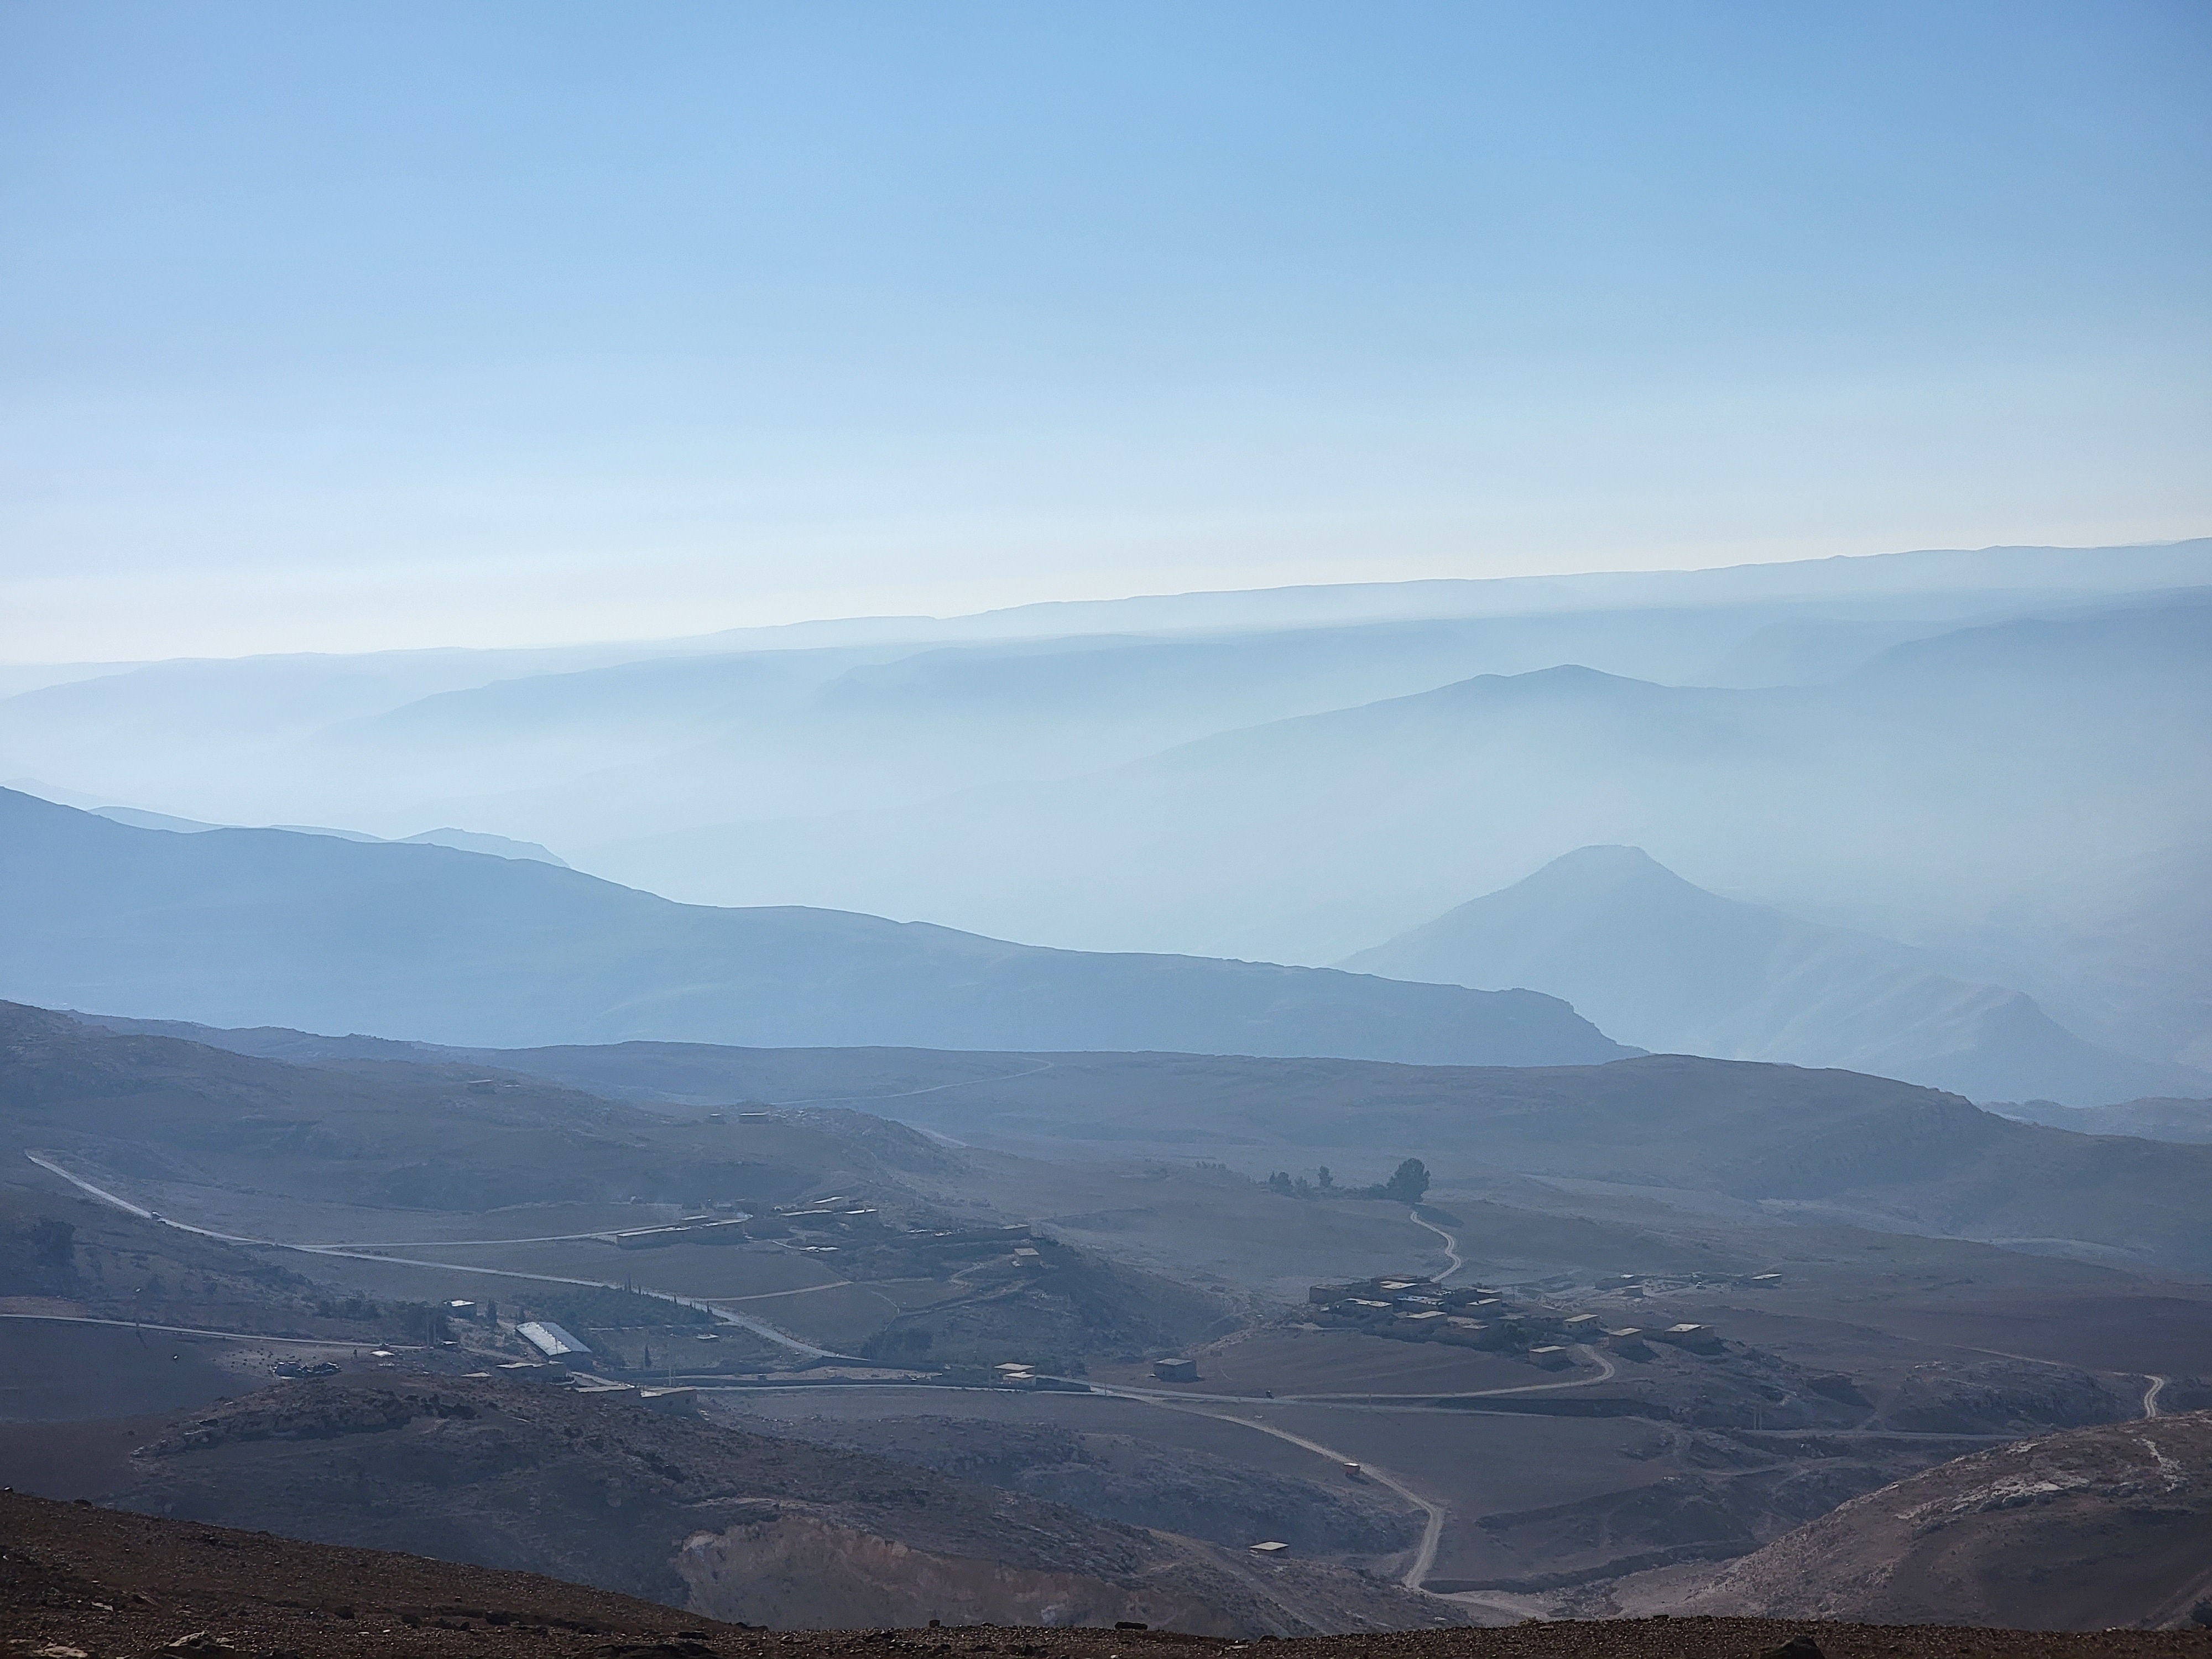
(346, 326)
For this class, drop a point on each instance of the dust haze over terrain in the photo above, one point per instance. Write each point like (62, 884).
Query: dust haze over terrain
(1288, 1113)
(1967, 791)
(1065, 832)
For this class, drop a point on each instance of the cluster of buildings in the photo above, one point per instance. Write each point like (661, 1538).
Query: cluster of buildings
(1410, 1309)
(565, 1358)
(827, 1226)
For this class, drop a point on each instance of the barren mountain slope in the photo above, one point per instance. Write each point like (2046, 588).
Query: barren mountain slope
(261, 926)
(1814, 1143)
(1662, 963)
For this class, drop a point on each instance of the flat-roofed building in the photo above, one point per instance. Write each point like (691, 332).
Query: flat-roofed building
(550, 1340)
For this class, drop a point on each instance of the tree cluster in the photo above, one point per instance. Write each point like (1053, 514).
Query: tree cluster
(1407, 1184)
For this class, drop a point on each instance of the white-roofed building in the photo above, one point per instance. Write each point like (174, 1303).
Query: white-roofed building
(550, 1340)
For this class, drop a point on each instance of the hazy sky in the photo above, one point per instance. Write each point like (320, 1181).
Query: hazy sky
(336, 327)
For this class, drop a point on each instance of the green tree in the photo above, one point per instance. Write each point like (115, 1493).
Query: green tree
(1324, 1180)
(1408, 1182)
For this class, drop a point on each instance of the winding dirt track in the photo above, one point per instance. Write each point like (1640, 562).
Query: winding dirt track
(1424, 1557)
(202, 1330)
(1434, 1512)
(1451, 1244)
(759, 1328)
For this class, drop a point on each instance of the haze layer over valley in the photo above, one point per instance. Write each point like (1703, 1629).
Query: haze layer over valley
(1559, 1191)
(997, 831)
(1967, 791)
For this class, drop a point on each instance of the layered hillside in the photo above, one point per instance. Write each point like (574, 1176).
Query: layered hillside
(1809, 1144)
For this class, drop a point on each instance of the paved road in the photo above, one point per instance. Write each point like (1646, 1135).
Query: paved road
(2151, 1395)
(759, 1328)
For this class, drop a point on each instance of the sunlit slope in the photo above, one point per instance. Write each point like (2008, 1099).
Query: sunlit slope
(1665, 965)
(261, 926)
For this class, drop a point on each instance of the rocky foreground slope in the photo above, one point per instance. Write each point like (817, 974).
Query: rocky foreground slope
(2084, 1530)
(77, 1582)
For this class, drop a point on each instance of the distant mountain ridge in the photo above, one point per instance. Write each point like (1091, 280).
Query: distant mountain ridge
(1975, 753)
(1955, 791)
(468, 841)
(1673, 967)
(2185, 1121)
(264, 927)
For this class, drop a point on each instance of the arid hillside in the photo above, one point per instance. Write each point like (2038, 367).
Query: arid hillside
(2084, 1530)
(1812, 1144)
(75, 1579)
(732, 1525)
(254, 926)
